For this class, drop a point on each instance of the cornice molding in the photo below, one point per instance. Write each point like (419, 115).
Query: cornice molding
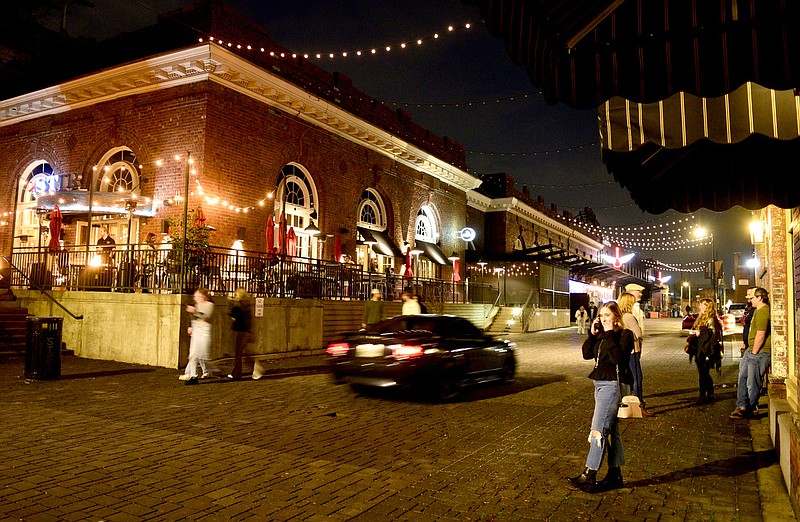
(211, 62)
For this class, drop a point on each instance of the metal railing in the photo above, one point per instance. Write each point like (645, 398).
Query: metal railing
(143, 268)
(44, 292)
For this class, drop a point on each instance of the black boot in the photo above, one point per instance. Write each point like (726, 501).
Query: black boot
(612, 480)
(586, 480)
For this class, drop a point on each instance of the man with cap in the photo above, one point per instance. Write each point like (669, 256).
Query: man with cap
(756, 358)
(636, 290)
(373, 311)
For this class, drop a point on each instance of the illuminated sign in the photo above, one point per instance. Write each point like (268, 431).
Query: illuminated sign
(467, 234)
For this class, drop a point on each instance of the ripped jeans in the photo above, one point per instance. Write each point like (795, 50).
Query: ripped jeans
(605, 422)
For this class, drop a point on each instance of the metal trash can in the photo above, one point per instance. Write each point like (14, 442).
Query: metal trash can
(43, 348)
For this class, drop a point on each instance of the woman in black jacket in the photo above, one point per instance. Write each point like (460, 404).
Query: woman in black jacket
(610, 345)
(705, 345)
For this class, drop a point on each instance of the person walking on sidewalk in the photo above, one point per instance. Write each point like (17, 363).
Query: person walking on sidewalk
(200, 332)
(626, 302)
(756, 359)
(241, 320)
(705, 345)
(410, 306)
(609, 343)
(581, 317)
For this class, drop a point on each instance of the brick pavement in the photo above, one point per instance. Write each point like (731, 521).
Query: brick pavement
(112, 441)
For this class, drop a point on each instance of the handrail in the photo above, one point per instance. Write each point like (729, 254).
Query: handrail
(526, 312)
(42, 290)
(494, 305)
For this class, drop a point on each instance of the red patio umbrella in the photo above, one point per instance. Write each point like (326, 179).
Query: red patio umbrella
(282, 246)
(200, 220)
(56, 219)
(337, 249)
(409, 273)
(456, 275)
(270, 234)
(291, 242)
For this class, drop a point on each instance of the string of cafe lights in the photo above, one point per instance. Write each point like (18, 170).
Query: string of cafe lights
(367, 51)
(464, 103)
(533, 153)
(694, 267)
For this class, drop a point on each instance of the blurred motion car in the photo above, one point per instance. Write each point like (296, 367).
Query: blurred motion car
(438, 354)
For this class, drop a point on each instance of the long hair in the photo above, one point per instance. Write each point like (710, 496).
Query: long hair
(241, 297)
(615, 311)
(709, 316)
(626, 301)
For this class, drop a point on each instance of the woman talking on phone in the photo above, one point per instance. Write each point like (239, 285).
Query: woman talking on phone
(610, 345)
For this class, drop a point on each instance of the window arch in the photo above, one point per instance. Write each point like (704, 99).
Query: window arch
(296, 196)
(36, 180)
(371, 210)
(425, 227)
(117, 171)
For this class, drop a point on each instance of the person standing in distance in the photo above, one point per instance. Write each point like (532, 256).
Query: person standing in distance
(373, 310)
(581, 317)
(636, 290)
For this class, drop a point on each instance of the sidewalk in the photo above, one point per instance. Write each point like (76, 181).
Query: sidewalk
(111, 441)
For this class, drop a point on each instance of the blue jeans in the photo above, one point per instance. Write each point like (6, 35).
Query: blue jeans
(635, 364)
(605, 422)
(751, 375)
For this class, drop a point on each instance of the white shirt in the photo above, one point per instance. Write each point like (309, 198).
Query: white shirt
(639, 315)
(410, 307)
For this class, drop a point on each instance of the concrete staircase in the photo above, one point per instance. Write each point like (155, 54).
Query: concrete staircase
(13, 329)
(500, 324)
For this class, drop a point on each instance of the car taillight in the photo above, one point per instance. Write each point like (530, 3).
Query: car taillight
(405, 351)
(338, 349)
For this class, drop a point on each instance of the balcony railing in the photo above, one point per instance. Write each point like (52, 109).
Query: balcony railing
(141, 268)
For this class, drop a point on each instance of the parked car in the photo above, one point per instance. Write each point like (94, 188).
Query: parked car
(440, 354)
(737, 310)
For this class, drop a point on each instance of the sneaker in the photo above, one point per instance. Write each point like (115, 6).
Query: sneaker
(183, 377)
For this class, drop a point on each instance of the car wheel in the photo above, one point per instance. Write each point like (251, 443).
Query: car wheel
(446, 384)
(508, 371)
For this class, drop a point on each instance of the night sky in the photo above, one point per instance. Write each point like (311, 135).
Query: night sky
(462, 85)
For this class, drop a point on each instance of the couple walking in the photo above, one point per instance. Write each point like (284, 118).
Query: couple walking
(200, 333)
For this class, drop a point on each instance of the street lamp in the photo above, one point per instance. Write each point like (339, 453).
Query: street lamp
(753, 263)
(701, 232)
(688, 285)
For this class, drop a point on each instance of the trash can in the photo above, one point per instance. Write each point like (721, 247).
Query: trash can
(43, 348)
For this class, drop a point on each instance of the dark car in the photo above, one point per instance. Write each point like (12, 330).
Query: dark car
(440, 354)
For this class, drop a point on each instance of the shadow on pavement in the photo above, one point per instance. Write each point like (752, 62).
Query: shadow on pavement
(107, 373)
(731, 467)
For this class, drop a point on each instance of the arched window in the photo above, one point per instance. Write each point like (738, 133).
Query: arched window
(372, 216)
(296, 198)
(117, 171)
(36, 180)
(425, 228)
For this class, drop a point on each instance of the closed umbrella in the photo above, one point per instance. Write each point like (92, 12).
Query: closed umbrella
(409, 273)
(56, 219)
(282, 246)
(291, 242)
(270, 234)
(337, 249)
(456, 275)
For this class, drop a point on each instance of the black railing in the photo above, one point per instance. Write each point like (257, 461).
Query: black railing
(142, 268)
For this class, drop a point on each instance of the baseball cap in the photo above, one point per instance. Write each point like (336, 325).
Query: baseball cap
(633, 287)
(375, 291)
(750, 293)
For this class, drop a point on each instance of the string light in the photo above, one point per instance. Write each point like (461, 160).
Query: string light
(466, 103)
(534, 153)
(319, 55)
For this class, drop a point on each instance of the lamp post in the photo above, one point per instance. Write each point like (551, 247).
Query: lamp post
(753, 263)
(688, 285)
(182, 279)
(701, 232)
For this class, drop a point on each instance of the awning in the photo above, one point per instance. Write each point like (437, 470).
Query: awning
(584, 52)
(432, 252)
(77, 202)
(383, 243)
(689, 152)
